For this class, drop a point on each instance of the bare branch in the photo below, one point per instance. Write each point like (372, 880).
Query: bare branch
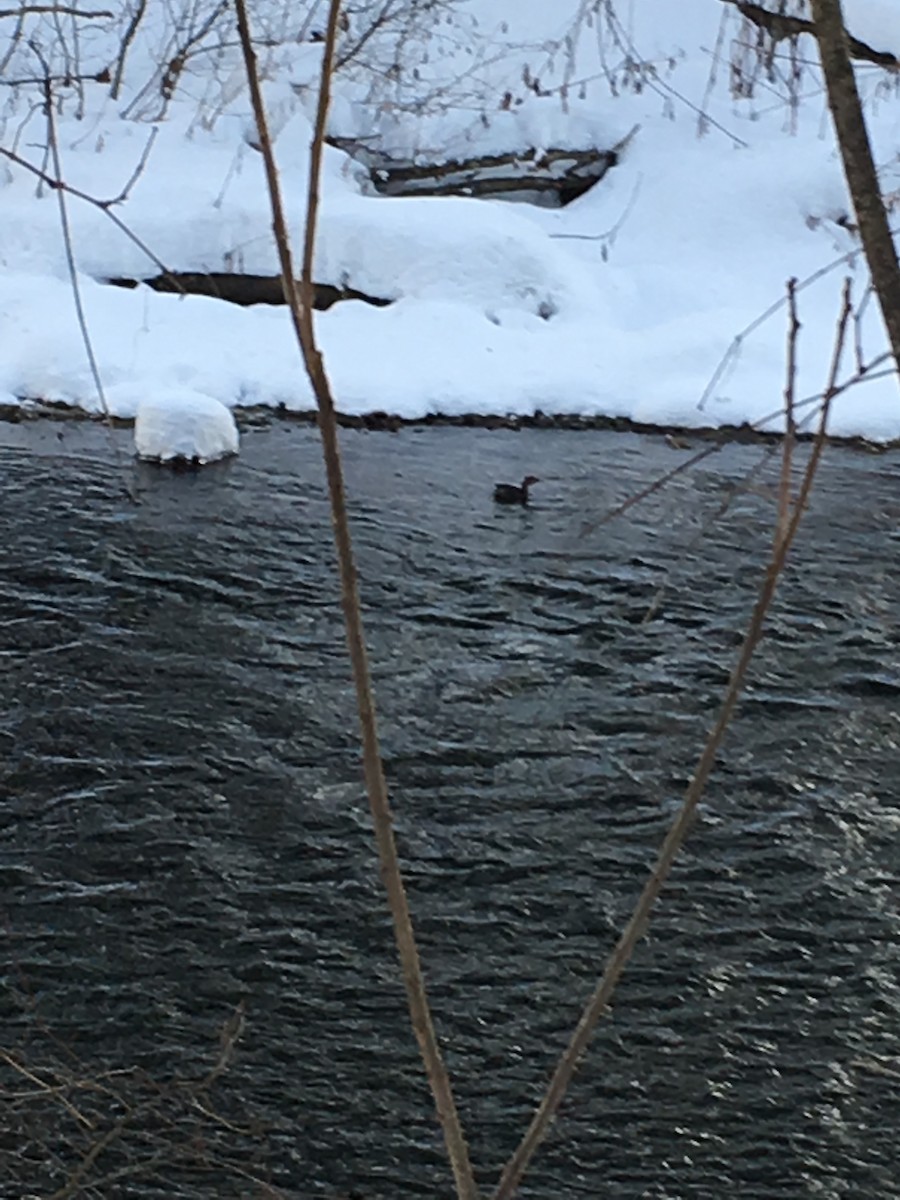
(745, 485)
(640, 917)
(138, 170)
(68, 79)
(177, 63)
(228, 1038)
(300, 301)
(53, 149)
(657, 84)
(61, 10)
(105, 206)
(790, 422)
(47, 1088)
(53, 145)
(780, 25)
(127, 38)
(75, 1180)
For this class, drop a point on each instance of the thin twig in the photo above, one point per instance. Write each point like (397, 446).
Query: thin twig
(14, 39)
(739, 338)
(105, 206)
(637, 923)
(127, 38)
(790, 421)
(165, 1157)
(244, 1131)
(653, 80)
(62, 10)
(67, 243)
(229, 1036)
(858, 315)
(745, 485)
(864, 374)
(73, 1184)
(138, 170)
(66, 80)
(53, 144)
(608, 237)
(300, 302)
(46, 1088)
(649, 489)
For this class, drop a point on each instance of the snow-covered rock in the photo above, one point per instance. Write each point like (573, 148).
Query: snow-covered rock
(186, 425)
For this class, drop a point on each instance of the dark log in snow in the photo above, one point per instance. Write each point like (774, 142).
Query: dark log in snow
(552, 178)
(244, 289)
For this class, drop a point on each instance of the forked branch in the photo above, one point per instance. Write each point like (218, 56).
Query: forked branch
(634, 929)
(300, 303)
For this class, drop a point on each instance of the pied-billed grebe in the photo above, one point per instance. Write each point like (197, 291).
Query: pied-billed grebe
(511, 493)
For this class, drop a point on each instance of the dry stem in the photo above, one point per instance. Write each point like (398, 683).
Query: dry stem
(53, 147)
(300, 302)
(634, 929)
(790, 421)
(46, 1088)
(65, 10)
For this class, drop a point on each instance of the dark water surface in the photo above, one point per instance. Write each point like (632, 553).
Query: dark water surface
(183, 824)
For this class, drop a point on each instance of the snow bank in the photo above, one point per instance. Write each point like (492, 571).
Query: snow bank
(622, 304)
(488, 255)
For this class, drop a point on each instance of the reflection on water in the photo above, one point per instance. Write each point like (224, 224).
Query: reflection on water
(184, 826)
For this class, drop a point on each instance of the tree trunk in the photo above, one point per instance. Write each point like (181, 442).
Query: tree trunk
(859, 167)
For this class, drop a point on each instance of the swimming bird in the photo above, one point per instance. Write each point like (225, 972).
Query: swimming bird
(511, 493)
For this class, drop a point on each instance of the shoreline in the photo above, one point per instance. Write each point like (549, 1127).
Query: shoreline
(681, 437)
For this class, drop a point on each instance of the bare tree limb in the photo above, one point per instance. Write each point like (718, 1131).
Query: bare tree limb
(53, 145)
(68, 79)
(177, 63)
(47, 1088)
(61, 10)
(637, 923)
(300, 301)
(73, 1185)
(105, 206)
(138, 170)
(127, 38)
(790, 420)
(53, 149)
(780, 25)
(654, 81)
(859, 166)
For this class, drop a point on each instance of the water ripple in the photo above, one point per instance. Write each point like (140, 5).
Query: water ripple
(183, 823)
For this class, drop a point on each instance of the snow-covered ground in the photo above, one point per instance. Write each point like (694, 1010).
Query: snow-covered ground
(622, 304)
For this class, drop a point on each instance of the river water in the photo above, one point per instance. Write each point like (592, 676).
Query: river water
(184, 826)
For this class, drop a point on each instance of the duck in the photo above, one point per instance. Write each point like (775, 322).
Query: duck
(511, 493)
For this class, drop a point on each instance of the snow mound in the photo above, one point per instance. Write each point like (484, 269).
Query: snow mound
(452, 249)
(186, 425)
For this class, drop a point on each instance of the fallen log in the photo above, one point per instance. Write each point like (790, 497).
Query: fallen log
(244, 289)
(552, 178)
